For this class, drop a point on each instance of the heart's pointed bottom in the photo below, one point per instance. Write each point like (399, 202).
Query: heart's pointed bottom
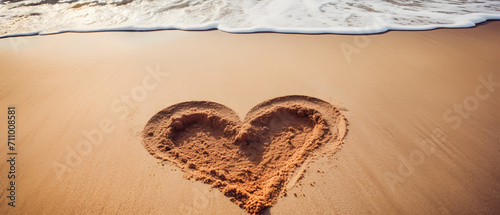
(250, 162)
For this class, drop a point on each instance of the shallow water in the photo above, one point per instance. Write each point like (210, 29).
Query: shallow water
(25, 17)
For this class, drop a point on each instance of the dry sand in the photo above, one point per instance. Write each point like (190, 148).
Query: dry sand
(423, 111)
(251, 162)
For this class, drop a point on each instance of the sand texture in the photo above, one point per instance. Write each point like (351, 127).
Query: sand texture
(175, 122)
(250, 161)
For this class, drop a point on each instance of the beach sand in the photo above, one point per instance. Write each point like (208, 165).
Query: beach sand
(423, 112)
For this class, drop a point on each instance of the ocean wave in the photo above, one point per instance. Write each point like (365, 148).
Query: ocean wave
(31, 17)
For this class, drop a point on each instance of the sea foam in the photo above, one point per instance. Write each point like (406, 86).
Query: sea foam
(30, 17)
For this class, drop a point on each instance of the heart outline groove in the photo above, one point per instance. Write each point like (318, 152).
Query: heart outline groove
(249, 161)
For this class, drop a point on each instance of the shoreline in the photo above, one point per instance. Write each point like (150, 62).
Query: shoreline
(256, 32)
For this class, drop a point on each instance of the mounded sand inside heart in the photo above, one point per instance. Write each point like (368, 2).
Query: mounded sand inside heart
(249, 161)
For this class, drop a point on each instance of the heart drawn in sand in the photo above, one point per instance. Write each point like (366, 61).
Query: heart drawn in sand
(249, 161)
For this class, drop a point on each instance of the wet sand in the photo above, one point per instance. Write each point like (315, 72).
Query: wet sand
(422, 109)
